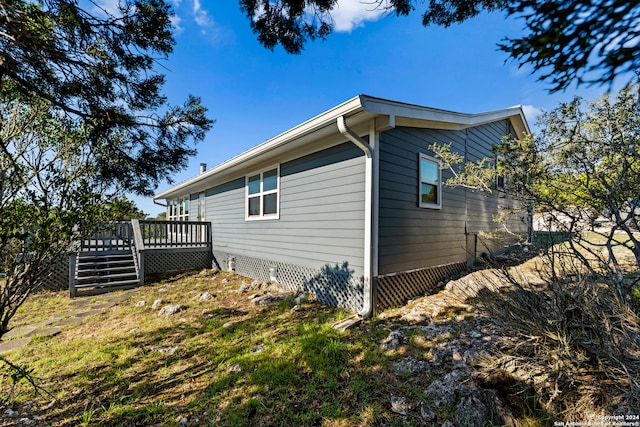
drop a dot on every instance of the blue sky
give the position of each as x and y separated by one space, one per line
255 94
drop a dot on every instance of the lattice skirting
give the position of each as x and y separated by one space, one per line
58 279
396 289
334 285
168 260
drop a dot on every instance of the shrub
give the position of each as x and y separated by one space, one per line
573 350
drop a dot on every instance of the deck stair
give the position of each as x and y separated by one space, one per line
106 261
113 256
103 271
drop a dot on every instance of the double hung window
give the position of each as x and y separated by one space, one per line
262 197
430 183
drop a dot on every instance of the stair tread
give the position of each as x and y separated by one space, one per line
132 274
106 264
107 269
108 284
104 260
116 256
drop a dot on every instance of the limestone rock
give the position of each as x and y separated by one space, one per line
399 405
206 296
443 392
170 310
258 349
410 366
234 368
415 316
426 413
165 350
393 341
471 411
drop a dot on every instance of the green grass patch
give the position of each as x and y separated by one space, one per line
224 361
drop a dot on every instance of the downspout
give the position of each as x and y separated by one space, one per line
163 205
369 296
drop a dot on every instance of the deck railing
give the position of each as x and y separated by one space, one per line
171 234
112 235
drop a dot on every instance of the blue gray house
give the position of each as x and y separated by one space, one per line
350 205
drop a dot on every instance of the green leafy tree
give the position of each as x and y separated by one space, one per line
577 40
50 194
82 120
98 66
122 209
584 163
580 312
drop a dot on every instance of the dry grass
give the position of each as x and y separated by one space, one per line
573 346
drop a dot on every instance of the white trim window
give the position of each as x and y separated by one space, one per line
263 195
179 209
429 183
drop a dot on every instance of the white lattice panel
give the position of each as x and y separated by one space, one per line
58 279
337 286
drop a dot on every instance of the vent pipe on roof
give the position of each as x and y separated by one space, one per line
203 167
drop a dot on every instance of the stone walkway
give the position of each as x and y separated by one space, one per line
81 308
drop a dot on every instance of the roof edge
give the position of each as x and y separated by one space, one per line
348 107
402 109
357 104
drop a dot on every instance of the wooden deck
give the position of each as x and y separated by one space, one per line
114 256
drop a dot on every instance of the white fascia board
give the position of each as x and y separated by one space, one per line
298 133
358 111
448 119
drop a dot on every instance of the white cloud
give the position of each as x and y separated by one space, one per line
111 7
532 113
175 23
201 16
351 14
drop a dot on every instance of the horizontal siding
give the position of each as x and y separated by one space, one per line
321 213
481 211
480 139
411 237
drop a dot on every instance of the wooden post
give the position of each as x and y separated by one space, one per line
139 245
72 275
141 266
